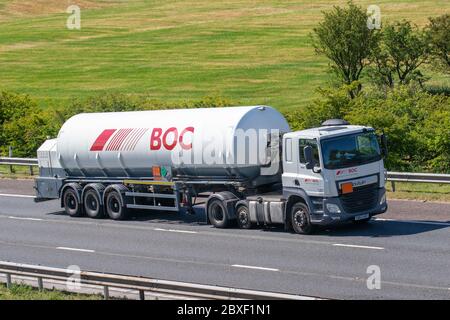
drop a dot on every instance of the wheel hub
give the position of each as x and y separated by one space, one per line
115 205
300 218
72 202
217 212
92 203
243 217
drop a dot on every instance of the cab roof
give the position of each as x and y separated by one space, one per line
327 131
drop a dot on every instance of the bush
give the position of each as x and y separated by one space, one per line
23 125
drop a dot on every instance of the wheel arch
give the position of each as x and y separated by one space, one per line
97 187
294 196
228 198
76 187
119 188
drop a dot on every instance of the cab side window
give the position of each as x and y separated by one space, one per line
308 142
288 150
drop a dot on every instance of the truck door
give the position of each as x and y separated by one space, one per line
290 162
309 180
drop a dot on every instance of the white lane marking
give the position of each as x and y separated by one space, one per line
74 249
23 218
356 246
16 195
416 221
254 267
173 230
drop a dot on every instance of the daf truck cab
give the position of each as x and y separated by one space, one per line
333 174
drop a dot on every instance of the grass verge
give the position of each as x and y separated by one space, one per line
419 191
19 172
25 292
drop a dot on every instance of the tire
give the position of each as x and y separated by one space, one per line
300 219
92 204
217 214
115 207
71 204
243 217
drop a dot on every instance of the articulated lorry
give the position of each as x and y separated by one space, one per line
246 163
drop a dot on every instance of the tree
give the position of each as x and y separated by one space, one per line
344 38
402 49
439 35
12 107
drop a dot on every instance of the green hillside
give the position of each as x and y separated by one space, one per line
249 51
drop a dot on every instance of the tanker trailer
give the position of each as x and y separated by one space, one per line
104 164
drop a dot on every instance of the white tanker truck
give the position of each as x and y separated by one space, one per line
245 160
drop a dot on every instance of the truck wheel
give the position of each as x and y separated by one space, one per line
92 205
71 204
301 221
114 206
217 213
243 217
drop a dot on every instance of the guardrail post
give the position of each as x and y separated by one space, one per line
105 292
40 284
31 170
393 186
8 280
141 295
10 152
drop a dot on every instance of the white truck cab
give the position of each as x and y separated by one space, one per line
336 170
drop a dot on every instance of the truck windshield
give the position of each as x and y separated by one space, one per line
350 150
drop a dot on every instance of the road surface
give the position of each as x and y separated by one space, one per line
410 245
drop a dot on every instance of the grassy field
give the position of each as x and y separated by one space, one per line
24 292
253 52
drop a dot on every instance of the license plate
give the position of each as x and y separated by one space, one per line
362 216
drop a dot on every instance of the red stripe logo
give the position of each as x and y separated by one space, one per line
101 140
118 139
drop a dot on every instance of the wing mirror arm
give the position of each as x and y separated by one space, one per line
308 154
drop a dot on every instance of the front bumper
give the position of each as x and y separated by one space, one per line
325 218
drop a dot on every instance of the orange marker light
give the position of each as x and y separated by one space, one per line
347 187
156 172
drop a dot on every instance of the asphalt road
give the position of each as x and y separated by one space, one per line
413 256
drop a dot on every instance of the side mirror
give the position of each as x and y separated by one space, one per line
384 148
308 153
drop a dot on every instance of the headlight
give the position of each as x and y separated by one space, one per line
333 208
383 199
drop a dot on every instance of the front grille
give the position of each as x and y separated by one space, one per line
361 199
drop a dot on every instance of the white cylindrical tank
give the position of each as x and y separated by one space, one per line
191 142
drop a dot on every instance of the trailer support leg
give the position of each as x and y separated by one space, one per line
188 198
